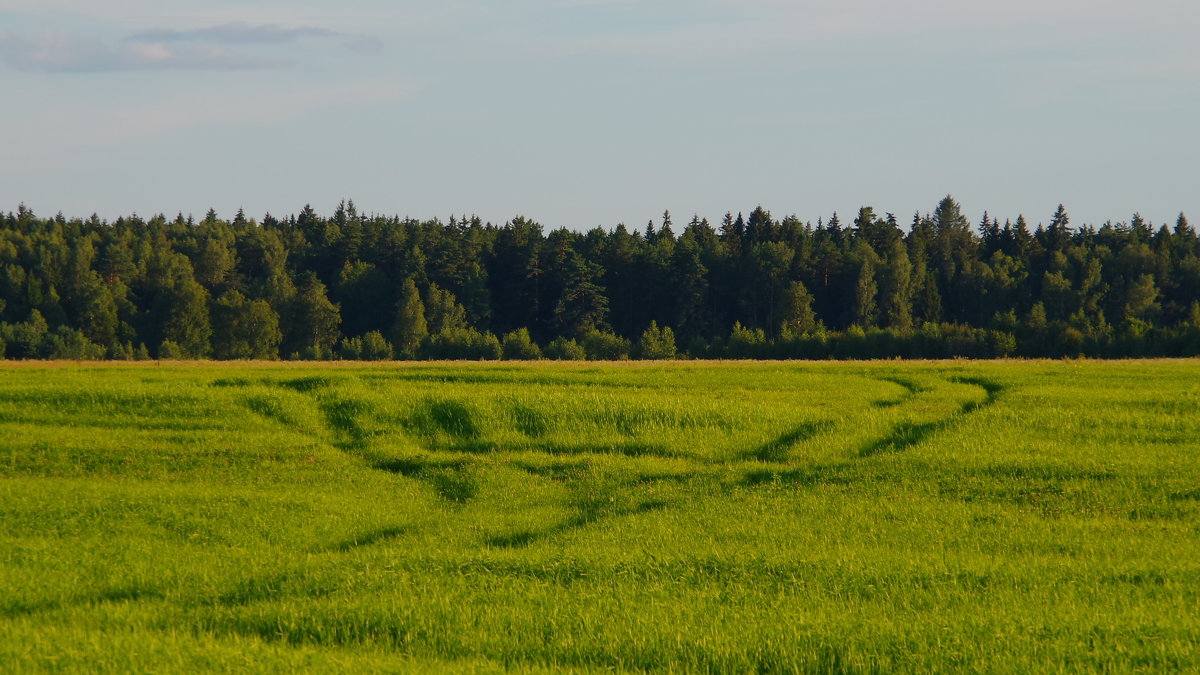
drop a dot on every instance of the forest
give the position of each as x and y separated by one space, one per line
362 286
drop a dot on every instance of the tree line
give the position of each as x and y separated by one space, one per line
373 287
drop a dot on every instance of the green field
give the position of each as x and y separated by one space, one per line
719 517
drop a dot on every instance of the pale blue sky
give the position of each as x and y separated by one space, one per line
594 112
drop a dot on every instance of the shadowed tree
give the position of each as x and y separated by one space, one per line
930 301
244 329
866 291
410 327
314 320
896 294
582 307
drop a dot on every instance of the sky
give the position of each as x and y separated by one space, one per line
584 113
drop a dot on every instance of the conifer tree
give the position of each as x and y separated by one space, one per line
582 307
689 278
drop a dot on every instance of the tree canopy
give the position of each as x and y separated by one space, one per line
354 285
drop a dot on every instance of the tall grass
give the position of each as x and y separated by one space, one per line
685 517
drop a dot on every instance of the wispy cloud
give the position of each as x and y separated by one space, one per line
235 33
63 52
230 46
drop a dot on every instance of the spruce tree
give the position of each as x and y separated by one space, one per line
583 306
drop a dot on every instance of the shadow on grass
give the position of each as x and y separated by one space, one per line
777 449
911 388
905 435
450 417
341 416
368 539
271 587
908 434
624 449
841 473
449 478
589 513
14 609
307 385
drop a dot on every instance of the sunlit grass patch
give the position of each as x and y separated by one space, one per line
716 517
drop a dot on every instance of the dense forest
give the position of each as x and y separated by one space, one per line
355 286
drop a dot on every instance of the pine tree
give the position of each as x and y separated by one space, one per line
1059 234
582 307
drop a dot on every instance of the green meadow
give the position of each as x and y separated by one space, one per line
687 517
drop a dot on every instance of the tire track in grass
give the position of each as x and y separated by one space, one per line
368 539
905 435
589 512
451 480
778 448
119 595
346 433
911 389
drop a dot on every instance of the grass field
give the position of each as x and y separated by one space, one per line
767 517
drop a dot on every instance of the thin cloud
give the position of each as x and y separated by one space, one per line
229 46
241 33
235 33
63 52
